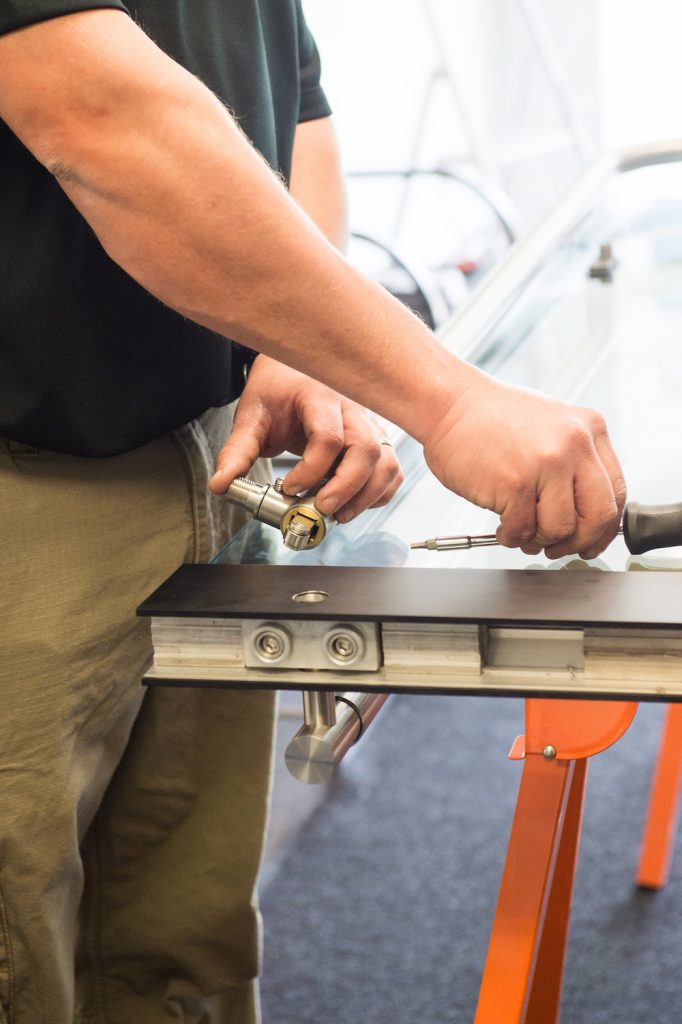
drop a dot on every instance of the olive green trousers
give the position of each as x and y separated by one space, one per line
131 822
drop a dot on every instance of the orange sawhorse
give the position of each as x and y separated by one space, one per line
524 967
659 829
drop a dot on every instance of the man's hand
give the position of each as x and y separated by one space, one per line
283 410
547 468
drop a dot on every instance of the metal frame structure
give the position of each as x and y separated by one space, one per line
627 631
476 631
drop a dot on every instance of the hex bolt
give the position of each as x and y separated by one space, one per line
549 752
344 646
269 645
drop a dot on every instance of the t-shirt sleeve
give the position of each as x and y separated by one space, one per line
16 14
314 103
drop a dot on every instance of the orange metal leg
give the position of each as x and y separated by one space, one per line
524 967
543 1005
659 830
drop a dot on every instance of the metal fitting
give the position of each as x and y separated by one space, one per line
605 264
301 524
329 733
311 644
549 752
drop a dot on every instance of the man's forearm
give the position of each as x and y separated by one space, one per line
181 200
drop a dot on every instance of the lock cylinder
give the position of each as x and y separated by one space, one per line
295 516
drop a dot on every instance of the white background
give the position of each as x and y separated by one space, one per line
622 60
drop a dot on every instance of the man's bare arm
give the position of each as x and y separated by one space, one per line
180 200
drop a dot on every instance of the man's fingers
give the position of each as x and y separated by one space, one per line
601 524
576 509
599 493
518 520
393 487
609 459
558 517
381 485
598 514
517 523
352 473
323 425
368 471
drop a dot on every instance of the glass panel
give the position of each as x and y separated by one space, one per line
613 345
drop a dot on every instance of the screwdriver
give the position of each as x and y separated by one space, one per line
645 527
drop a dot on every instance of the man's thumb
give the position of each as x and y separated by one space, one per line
236 459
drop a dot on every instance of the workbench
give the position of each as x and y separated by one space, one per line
582 642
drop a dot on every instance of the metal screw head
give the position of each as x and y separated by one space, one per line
344 646
270 646
279 485
549 752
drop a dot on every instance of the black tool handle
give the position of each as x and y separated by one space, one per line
646 527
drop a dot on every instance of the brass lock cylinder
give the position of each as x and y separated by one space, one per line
300 523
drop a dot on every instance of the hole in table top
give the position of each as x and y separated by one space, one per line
310 596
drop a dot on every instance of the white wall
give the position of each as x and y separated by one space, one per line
640 84
378 56
622 60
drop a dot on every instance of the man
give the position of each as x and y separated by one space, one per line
140 228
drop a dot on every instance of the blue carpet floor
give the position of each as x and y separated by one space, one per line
380 911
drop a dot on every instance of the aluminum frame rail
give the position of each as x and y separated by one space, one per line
528 633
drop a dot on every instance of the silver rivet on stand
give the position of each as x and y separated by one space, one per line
549 752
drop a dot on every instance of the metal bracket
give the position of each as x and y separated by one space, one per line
300 644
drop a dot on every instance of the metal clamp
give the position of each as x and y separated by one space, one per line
311 645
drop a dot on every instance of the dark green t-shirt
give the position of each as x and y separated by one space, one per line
90 363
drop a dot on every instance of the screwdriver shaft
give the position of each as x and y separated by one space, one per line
456 543
461 543
644 528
